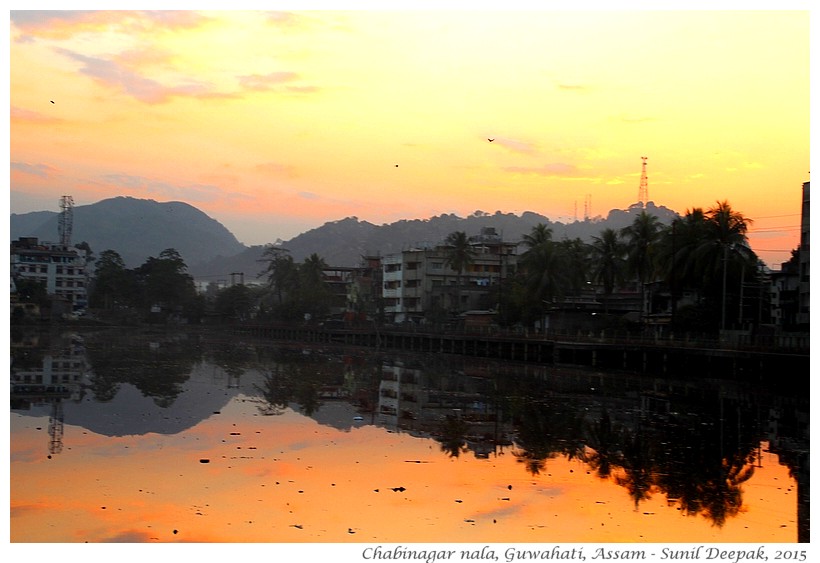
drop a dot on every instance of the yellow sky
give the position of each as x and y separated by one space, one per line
276 122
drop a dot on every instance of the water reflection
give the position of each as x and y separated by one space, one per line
692 445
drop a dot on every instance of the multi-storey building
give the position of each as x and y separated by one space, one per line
420 281
61 269
803 291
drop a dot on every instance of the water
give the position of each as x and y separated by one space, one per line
174 437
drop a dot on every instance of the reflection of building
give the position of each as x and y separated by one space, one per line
61 269
59 377
65 370
410 401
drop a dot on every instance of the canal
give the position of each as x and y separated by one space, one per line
159 437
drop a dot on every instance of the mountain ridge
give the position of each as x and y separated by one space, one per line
139 228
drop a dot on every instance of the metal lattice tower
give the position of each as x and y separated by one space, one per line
66 221
643 190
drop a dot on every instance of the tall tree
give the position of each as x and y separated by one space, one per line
314 293
608 264
166 281
280 270
460 255
640 237
724 252
113 284
544 267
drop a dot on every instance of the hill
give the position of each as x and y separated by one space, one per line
344 242
139 228
136 229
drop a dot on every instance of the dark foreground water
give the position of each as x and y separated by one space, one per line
171 437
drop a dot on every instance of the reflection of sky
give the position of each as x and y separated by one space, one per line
289 478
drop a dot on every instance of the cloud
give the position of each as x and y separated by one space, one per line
61 24
119 77
308 195
554 169
266 81
39 170
515 145
21 114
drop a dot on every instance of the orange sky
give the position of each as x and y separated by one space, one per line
276 122
289 479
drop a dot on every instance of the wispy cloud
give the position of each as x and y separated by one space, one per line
39 170
60 24
266 81
515 145
119 77
21 114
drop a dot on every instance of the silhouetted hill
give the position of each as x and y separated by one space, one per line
136 229
346 241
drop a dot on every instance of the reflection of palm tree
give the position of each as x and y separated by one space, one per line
453 436
723 497
544 431
275 393
605 444
637 467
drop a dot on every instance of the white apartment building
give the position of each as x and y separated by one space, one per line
60 268
419 280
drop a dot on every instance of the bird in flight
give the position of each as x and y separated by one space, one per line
52 101
491 140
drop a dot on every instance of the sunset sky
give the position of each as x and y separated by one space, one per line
274 123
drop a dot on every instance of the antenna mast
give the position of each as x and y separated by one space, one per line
643 190
66 220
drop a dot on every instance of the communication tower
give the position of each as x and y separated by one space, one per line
643 190
587 207
66 220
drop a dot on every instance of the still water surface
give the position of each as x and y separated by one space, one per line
172 437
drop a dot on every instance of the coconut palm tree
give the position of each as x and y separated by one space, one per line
723 250
539 234
460 255
608 265
640 237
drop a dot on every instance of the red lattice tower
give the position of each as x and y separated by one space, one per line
643 190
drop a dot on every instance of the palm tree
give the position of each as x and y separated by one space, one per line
280 269
539 234
641 236
608 264
460 255
543 266
724 246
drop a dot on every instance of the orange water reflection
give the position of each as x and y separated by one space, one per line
288 478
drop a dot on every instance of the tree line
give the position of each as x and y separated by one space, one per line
704 253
